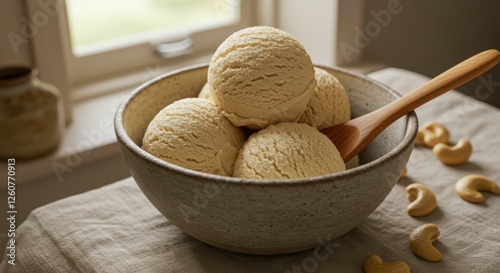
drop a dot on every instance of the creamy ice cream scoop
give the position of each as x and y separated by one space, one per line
329 104
261 76
287 150
193 133
205 92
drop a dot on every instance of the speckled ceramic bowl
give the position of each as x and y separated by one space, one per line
263 216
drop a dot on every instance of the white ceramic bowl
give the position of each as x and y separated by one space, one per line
263 216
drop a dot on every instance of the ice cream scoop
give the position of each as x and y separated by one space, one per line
287 150
205 92
192 133
261 76
353 136
329 104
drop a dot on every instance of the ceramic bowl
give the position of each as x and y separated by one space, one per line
263 217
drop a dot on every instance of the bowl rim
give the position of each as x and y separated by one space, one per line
126 141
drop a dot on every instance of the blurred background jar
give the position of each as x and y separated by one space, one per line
31 116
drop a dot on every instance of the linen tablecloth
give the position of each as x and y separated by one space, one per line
116 229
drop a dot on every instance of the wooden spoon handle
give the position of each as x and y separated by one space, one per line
450 79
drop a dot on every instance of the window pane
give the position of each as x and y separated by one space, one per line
95 21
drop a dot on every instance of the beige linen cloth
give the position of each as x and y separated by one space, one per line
116 229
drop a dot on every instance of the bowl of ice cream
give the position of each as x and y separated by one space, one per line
279 190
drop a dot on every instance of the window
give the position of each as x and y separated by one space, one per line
136 18
134 45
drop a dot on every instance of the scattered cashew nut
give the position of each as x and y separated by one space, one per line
453 155
468 187
434 133
373 264
422 198
421 240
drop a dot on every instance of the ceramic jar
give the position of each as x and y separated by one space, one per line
31 115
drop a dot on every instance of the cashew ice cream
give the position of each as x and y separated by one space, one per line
261 76
262 79
329 104
287 150
205 92
192 133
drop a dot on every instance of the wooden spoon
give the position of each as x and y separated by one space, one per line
353 136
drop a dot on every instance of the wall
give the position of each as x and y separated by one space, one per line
313 25
13 51
430 36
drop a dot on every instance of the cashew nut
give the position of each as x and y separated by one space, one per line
421 240
373 264
468 187
420 137
422 198
434 133
453 155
